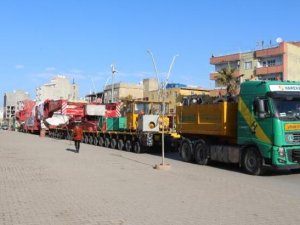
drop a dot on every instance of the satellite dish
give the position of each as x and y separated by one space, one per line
279 40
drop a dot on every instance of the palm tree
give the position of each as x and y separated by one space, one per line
226 78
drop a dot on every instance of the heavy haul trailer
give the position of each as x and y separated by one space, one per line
132 125
260 130
23 115
27 117
60 115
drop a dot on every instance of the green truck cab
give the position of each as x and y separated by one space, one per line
269 120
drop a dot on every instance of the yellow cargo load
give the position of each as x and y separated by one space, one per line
218 119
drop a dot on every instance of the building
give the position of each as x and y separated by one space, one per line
58 88
280 62
149 85
175 94
121 91
11 104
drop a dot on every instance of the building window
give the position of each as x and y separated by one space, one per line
271 62
248 65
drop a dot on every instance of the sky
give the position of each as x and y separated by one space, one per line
81 39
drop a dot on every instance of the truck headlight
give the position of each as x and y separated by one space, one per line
281 152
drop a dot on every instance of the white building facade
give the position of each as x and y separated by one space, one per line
58 88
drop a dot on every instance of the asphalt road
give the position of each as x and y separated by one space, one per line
42 181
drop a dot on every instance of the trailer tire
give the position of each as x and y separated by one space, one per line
120 144
91 140
137 147
201 153
86 139
101 141
253 162
95 140
69 136
128 145
107 142
113 143
186 150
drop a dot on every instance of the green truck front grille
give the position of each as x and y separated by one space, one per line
294 155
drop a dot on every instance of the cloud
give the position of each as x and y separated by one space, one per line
19 66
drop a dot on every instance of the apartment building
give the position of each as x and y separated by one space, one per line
58 88
149 85
280 62
11 102
121 91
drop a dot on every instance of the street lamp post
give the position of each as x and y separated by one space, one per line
163 97
164 109
156 71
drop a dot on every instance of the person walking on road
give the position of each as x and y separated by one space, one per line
77 136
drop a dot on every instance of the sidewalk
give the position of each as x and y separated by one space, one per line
42 182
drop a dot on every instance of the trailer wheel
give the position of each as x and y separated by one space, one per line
128 145
137 147
201 153
252 161
95 140
113 143
86 139
120 144
101 141
186 149
107 142
69 136
91 140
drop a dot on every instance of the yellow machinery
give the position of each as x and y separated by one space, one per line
133 109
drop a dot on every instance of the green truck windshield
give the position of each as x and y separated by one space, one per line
287 107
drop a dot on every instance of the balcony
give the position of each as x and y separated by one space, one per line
226 58
269 70
270 51
212 76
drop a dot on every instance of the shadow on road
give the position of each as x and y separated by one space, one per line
71 150
270 172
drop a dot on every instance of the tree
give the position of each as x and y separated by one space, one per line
226 78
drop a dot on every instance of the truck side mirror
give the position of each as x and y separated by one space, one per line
260 107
